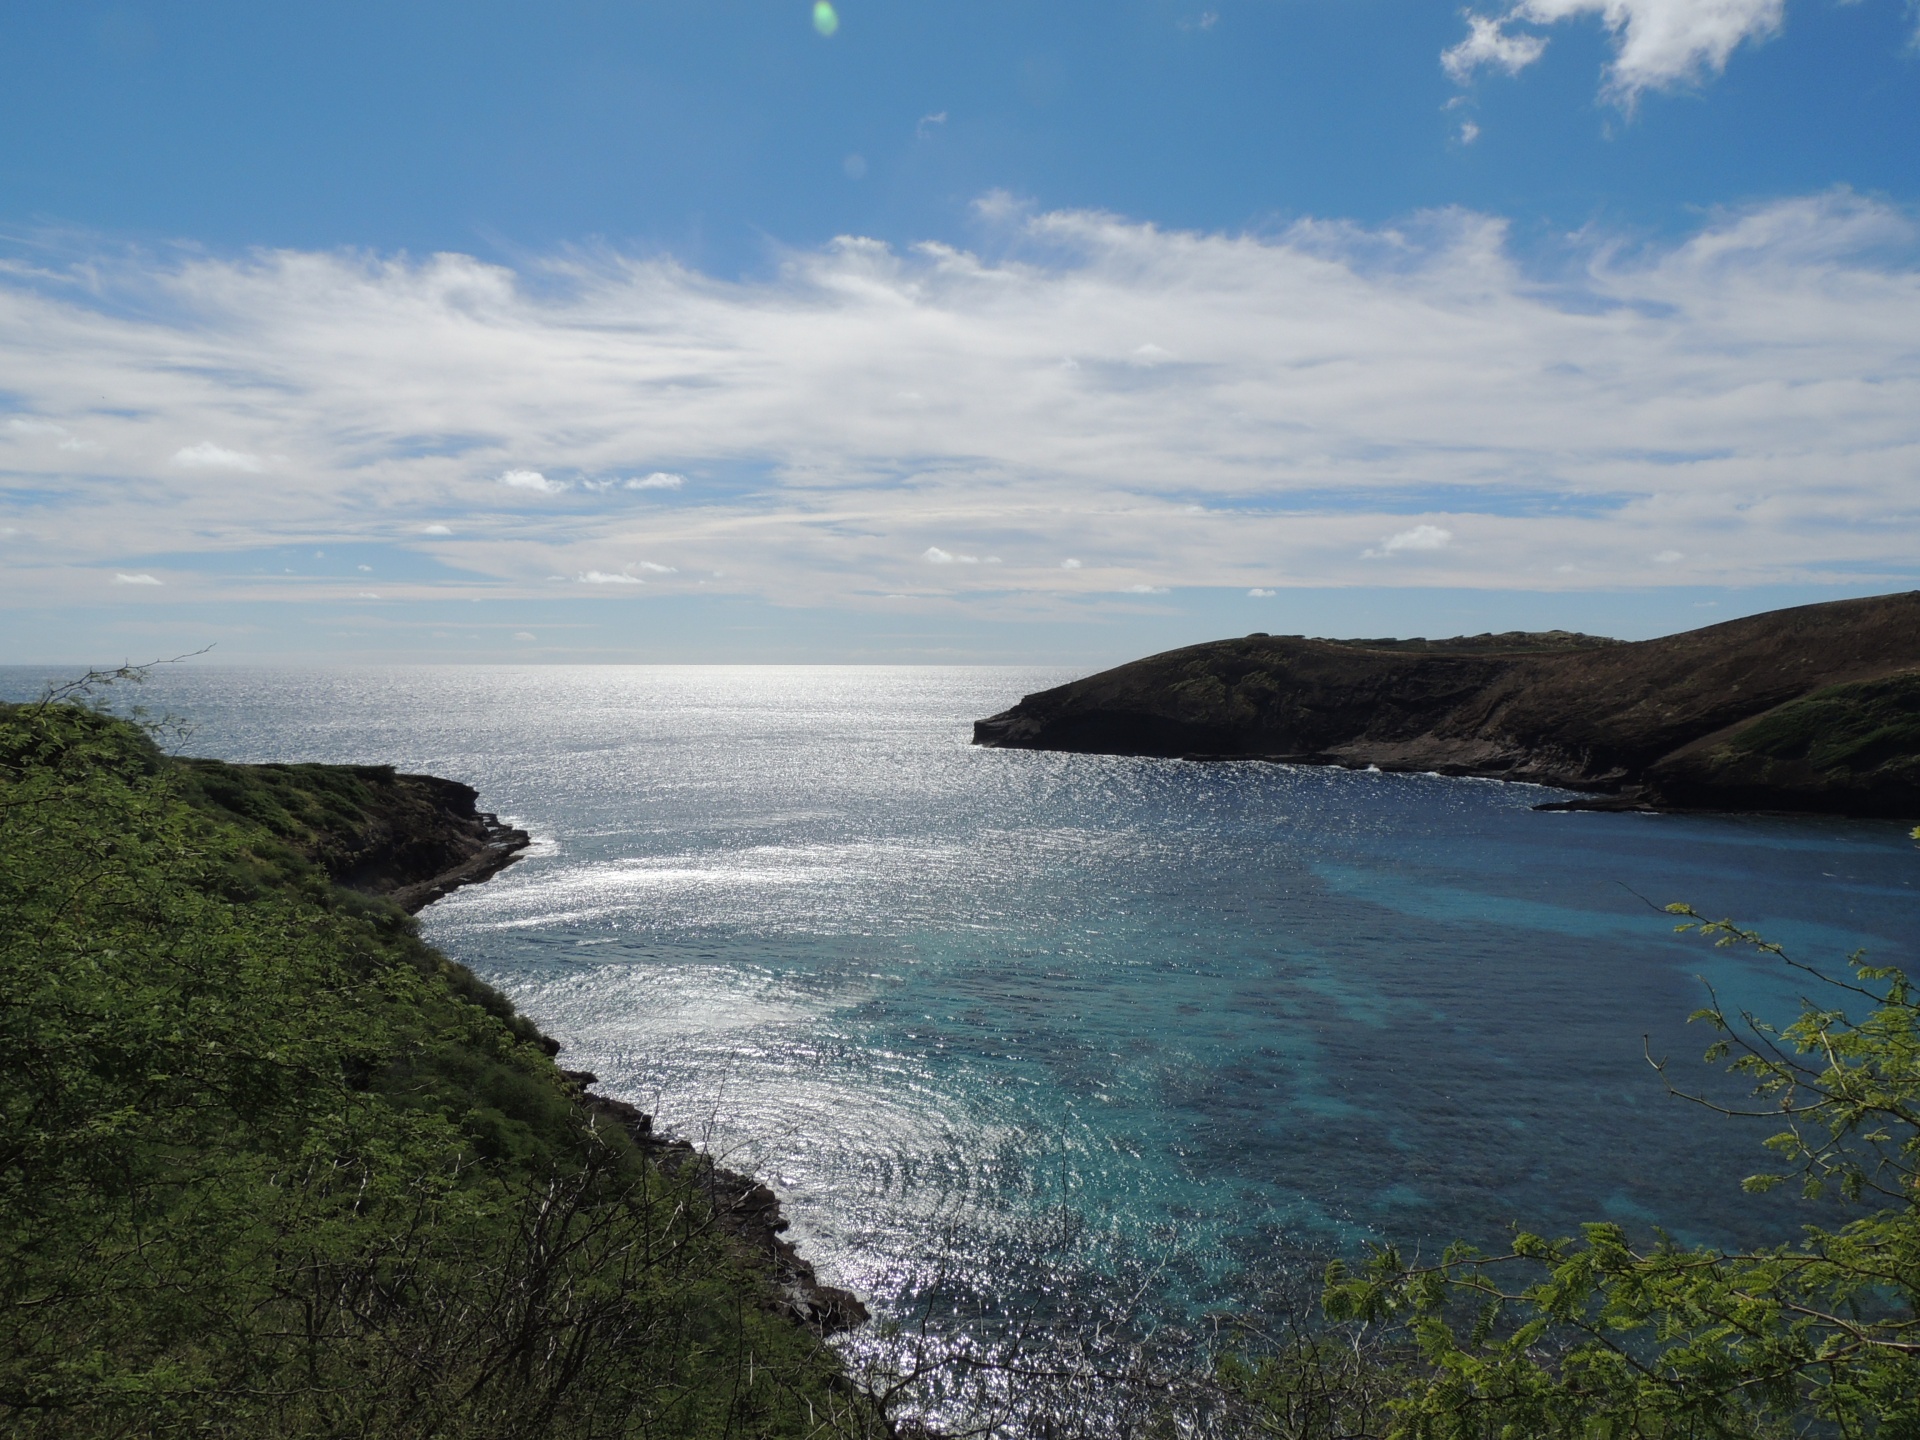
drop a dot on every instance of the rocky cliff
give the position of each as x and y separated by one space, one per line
411 838
1815 708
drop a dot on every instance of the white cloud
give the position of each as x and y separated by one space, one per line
1420 537
1258 594
654 569
658 480
1657 44
142 578
368 595
1489 46
1469 132
1069 564
929 123
935 555
1754 384
1668 557
1146 590
364 569
532 480
37 428
209 456
602 577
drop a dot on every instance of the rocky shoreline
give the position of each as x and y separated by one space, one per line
414 839
500 845
743 1207
480 845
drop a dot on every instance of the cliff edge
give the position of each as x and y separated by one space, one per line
1815 708
410 838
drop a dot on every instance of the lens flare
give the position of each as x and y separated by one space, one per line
825 19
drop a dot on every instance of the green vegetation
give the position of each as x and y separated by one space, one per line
271 1165
329 813
1598 1337
1852 728
1854 747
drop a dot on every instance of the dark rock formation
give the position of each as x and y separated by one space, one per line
1816 708
411 838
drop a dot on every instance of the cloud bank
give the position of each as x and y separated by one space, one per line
1326 405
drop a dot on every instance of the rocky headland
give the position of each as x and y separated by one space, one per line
1812 709
412 839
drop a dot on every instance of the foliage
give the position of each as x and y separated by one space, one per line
271 1165
1854 727
1299 1380
1599 1337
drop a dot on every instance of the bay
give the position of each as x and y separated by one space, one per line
1109 1035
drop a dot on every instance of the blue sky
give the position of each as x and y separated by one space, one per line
1056 332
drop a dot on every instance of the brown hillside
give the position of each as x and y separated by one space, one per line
1669 721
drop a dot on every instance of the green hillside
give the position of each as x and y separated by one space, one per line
271 1165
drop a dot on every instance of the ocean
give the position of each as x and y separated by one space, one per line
1016 1033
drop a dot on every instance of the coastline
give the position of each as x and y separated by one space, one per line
1813 710
499 849
280 1166
743 1206
484 845
1629 801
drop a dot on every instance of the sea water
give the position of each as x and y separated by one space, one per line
1011 1029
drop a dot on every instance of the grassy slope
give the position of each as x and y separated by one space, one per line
367 827
1860 741
269 1164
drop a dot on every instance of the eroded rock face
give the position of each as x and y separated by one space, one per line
1674 722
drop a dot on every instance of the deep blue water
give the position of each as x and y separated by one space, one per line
996 1022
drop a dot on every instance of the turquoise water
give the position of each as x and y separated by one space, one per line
1012 1029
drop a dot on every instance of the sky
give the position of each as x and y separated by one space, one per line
753 331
